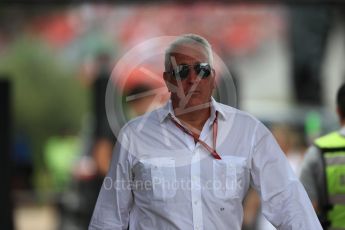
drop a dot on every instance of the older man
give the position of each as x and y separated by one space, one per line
189 164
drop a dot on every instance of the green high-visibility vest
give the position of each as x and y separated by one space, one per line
332 147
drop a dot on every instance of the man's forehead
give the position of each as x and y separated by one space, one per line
197 57
189 52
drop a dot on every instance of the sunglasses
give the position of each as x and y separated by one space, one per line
203 70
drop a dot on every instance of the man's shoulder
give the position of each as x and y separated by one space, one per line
238 113
312 154
330 140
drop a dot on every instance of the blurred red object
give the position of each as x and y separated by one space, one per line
57 28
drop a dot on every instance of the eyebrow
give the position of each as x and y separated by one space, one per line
194 63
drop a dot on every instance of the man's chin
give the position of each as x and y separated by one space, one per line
192 106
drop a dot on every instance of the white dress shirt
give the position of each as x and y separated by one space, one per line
160 179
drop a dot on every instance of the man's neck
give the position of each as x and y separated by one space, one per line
342 123
194 120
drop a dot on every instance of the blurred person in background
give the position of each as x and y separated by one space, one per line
92 166
91 169
323 172
104 139
174 143
97 143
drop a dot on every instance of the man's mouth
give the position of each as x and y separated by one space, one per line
194 92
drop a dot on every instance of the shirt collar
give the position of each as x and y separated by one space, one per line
167 108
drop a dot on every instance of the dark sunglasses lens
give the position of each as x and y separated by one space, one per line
181 72
203 70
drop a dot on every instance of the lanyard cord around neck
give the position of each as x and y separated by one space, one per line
196 138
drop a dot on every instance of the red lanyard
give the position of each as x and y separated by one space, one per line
196 138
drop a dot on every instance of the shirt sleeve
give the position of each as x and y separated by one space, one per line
115 198
284 201
311 163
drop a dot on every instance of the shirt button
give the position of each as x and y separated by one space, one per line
196 202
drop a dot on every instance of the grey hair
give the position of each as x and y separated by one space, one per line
187 39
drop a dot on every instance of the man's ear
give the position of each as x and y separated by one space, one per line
214 79
166 78
340 115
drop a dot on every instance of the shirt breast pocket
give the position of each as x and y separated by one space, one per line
163 177
228 176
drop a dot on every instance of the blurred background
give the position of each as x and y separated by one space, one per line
287 61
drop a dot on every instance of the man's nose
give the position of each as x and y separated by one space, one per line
192 76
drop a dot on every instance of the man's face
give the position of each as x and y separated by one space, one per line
192 91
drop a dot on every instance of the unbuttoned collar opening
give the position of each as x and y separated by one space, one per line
215 106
